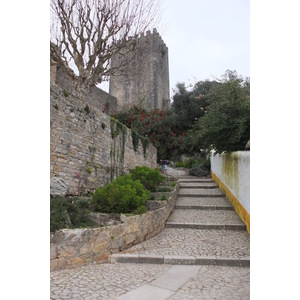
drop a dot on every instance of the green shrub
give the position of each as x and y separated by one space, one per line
185 164
173 184
69 213
199 170
82 203
192 162
150 178
58 214
123 195
163 189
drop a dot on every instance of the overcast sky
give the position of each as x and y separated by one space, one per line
205 38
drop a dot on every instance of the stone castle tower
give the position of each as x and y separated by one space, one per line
145 78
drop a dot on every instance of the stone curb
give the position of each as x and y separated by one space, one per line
205 207
180 180
237 227
179 260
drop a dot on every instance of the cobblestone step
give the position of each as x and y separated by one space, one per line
241 227
187 246
197 183
194 179
205 203
189 242
200 192
202 230
204 207
217 217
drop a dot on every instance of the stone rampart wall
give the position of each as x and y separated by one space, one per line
88 149
75 247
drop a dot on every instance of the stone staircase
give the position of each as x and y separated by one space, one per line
202 230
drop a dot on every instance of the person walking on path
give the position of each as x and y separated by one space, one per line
165 166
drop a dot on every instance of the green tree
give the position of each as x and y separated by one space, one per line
189 106
226 125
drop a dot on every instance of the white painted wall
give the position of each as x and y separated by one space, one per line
233 169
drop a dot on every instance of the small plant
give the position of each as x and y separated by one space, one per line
87 109
55 106
142 209
66 94
163 197
103 126
173 184
89 169
152 197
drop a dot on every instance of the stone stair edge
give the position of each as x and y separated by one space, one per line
204 207
206 226
179 260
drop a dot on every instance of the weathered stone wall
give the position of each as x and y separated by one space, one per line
83 153
74 247
145 78
96 97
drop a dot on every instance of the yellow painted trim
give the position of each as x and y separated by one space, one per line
238 207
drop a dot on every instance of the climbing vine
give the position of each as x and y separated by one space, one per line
117 154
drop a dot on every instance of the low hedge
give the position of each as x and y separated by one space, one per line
123 195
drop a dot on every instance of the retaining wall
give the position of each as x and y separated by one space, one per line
231 171
75 247
88 149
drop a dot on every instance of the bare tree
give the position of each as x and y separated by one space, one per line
85 34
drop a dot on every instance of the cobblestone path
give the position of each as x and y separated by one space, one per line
203 253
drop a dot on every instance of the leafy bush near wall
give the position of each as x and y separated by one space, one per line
123 195
69 213
199 167
198 170
205 163
185 164
150 178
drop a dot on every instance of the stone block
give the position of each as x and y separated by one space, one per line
99 247
77 261
66 251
